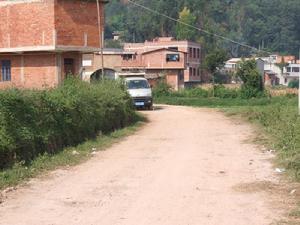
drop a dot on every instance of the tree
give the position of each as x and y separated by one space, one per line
214 61
184 32
252 79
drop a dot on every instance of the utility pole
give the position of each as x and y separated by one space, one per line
101 37
299 89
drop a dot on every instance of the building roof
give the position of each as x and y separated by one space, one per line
162 49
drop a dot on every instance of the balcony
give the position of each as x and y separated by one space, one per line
132 61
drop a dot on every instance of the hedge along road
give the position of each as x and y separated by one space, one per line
186 167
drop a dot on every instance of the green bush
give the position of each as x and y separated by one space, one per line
161 89
294 84
37 122
221 91
252 80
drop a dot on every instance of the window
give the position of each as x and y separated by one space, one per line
295 69
129 57
191 53
5 70
173 48
288 69
198 72
137 84
198 53
194 71
191 71
172 58
194 53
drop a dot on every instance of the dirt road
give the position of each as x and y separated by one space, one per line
186 167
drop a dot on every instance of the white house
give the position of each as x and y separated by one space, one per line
291 72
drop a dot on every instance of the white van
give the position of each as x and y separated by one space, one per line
140 91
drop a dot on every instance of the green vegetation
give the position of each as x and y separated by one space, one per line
182 31
70 156
263 24
34 123
294 84
252 80
281 123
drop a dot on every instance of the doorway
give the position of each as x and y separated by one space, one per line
69 69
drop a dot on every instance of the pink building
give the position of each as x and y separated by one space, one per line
192 72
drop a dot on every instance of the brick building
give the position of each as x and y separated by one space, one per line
42 41
155 64
192 72
178 61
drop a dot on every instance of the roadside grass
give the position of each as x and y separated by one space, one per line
212 102
69 156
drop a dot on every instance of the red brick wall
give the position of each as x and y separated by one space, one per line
157 59
15 71
31 71
34 23
40 71
26 24
74 19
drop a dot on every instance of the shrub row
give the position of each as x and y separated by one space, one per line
282 121
219 91
37 122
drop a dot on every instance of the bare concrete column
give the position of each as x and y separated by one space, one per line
58 68
22 77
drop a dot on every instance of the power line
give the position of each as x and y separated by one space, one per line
197 28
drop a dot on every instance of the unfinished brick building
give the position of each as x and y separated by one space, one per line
42 41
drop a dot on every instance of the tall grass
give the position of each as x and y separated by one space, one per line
281 122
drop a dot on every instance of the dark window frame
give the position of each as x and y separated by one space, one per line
173 57
198 53
5 70
191 52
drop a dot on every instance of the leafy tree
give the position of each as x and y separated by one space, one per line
184 32
262 24
214 61
252 79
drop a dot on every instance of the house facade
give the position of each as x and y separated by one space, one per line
192 72
42 41
270 66
153 65
291 72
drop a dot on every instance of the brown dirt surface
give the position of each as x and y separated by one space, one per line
187 166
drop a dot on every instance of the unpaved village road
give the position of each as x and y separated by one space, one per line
186 167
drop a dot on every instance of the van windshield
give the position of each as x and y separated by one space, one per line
137 84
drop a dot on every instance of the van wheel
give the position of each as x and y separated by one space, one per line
150 107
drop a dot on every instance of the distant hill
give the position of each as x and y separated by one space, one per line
273 25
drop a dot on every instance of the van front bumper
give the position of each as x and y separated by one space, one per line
142 101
